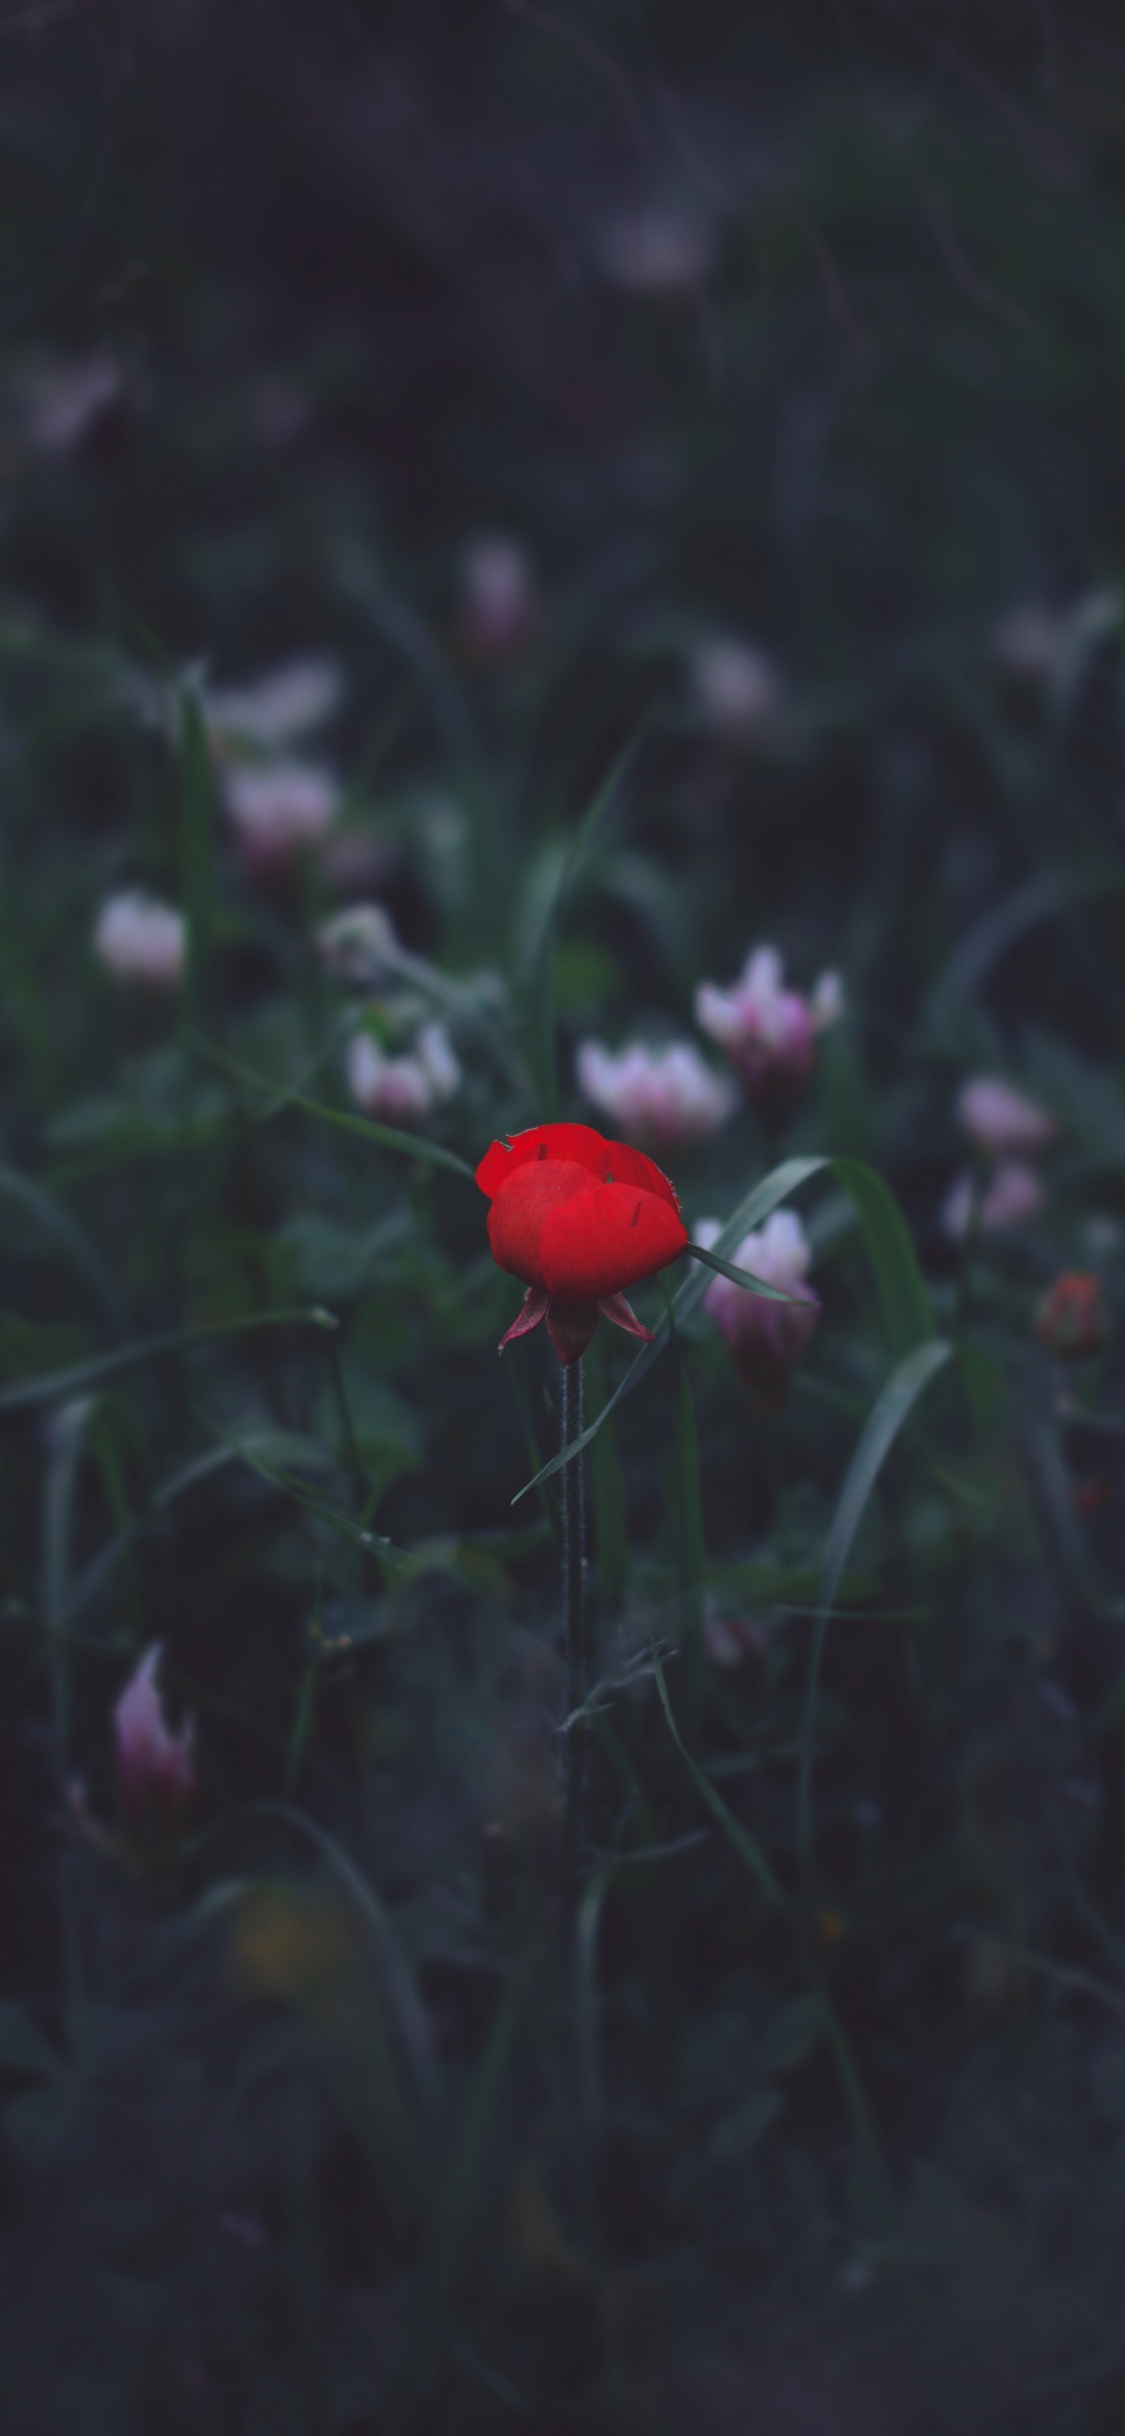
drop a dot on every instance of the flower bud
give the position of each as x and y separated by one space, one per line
766 1339
736 688
1071 1320
139 939
278 807
155 1767
1001 1119
1013 1196
499 601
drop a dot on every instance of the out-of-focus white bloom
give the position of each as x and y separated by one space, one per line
156 1767
359 945
63 397
139 939
408 1086
766 1339
655 249
1025 641
1013 1195
278 807
736 688
768 1032
279 708
499 599
664 1096
1002 1119
730 1640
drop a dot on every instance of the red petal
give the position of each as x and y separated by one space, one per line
593 1244
570 1327
578 1144
533 1308
527 1199
614 1307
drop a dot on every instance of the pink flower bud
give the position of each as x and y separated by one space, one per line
656 249
736 688
1001 1119
662 1098
1013 1196
155 1767
766 1339
499 601
139 939
278 807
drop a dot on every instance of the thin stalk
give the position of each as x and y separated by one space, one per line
579 1655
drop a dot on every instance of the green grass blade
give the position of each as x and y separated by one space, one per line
884 1423
58 1224
692 1548
746 1846
573 860
51 1385
197 853
738 1277
389 1137
907 1309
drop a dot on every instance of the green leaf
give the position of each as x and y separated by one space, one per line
570 862
886 1419
197 851
902 1290
907 1310
54 1384
389 1137
57 1223
23 2047
738 1277
748 1849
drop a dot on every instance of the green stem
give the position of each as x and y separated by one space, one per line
578 1651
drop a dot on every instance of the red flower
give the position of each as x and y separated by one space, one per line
578 1219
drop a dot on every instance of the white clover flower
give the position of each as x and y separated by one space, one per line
665 1096
279 708
1001 1119
407 1086
140 939
736 688
768 1031
279 807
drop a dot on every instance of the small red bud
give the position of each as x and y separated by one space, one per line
1071 1320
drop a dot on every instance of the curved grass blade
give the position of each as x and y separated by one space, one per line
907 1309
70 1238
197 851
886 1419
901 1287
389 1137
405 2010
540 965
738 1277
51 1385
745 1845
